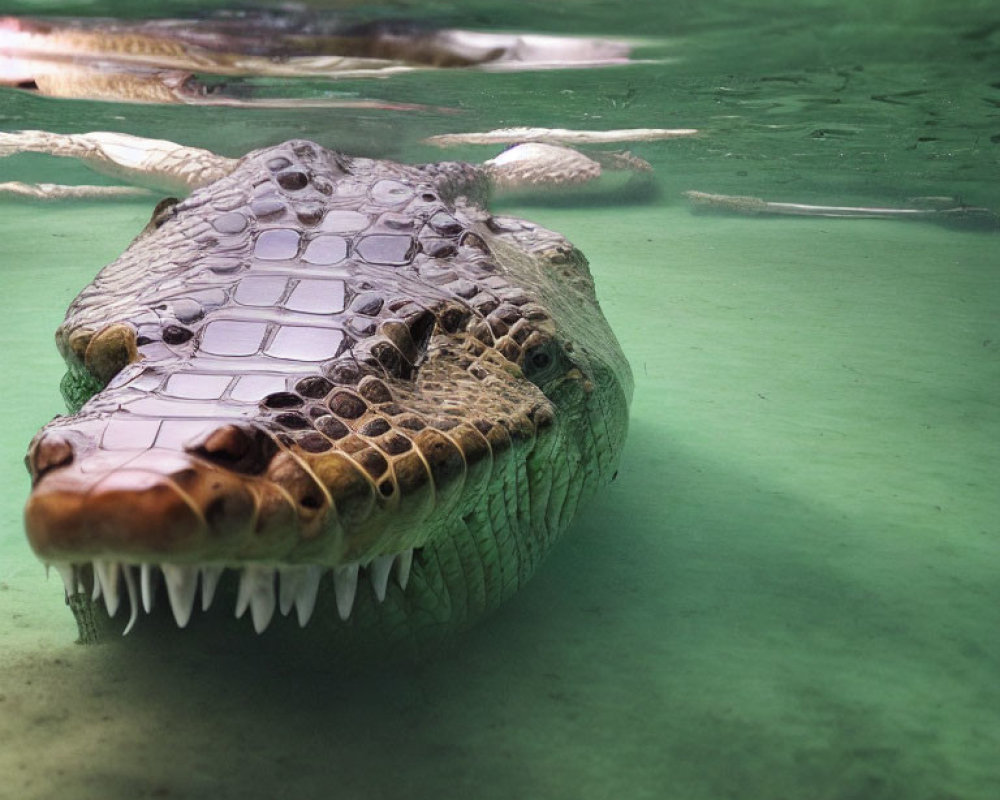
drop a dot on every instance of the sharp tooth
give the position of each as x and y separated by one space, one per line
403 570
378 573
68 574
147 583
262 608
256 591
133 597
182 584
345 582
305 600
96 594
209 581
243 593
291 585
107 577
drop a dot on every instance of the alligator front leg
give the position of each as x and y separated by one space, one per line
547 158
152 163
60 191
165 166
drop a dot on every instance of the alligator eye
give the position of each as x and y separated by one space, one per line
540 359
543 362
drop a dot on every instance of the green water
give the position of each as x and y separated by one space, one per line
790 593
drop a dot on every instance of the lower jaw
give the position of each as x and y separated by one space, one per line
263 589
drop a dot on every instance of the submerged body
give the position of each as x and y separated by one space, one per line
319 365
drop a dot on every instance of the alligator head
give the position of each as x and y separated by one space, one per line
321 365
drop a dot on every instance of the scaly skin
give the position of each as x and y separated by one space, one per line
322 361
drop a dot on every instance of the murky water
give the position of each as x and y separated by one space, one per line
792 589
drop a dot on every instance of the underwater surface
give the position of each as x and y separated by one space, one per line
792 591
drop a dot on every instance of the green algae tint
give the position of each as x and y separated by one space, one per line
789 591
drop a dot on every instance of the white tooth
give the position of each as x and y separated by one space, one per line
345 582
182 585
378 573
68 574
96 594
403 571
256 591
133 597
262 608
243 593
209 581
291 585
107 577
147 584
305 600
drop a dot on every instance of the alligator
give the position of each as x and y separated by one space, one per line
164 61
336 385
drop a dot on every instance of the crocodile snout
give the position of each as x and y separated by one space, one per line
137 504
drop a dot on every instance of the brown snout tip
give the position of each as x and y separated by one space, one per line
127 511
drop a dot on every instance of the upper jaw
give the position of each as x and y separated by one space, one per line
116 524
160 504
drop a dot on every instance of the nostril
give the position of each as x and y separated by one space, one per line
311 502
52 451
238 448
229 443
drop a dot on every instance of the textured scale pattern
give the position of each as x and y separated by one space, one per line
324 360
